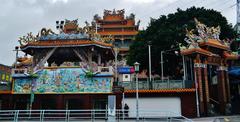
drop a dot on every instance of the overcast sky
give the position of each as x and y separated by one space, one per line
18 17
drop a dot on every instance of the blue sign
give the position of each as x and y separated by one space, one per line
125 70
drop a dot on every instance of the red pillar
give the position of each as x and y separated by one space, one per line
198 78
228 95
221 89
206 86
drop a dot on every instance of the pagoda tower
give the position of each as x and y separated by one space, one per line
122 29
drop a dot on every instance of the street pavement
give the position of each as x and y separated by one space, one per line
235 118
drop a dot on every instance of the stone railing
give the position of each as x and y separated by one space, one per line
158 84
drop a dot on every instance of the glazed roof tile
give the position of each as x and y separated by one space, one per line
61 43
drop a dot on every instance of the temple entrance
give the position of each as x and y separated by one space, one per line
213 89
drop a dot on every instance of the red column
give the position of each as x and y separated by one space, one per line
221 89
206 86
227 84
198 78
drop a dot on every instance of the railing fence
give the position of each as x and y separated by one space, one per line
85 115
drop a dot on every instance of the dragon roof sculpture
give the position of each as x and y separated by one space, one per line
71 31
204 34
201 37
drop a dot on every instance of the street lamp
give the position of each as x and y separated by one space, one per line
136 68
150 62
162 65
116 61
16 49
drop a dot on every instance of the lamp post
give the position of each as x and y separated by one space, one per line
136 67
16 49
162 65
116 62
150 62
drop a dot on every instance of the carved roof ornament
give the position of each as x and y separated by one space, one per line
71 21
192 39
45 32
113 12
121 12
86 32
109 39
131 16
96 17
207 32
107 12
26 39
203 34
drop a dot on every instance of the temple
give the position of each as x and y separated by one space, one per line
122 29
77 68
69 70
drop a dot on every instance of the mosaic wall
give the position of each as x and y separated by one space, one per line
68 80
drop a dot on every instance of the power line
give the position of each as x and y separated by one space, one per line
164 7
227 8
220 3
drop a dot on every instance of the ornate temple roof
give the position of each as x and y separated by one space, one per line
206 39
196 50
230 56
116 19
69 43
70 36
215 43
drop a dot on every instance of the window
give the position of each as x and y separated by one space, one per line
3 76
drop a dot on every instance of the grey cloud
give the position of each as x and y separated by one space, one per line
18 17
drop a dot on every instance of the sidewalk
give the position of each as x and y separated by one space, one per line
235 118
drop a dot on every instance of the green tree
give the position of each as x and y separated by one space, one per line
167 31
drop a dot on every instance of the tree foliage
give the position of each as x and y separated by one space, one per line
166 31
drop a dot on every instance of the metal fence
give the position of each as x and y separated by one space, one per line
86 116
158 84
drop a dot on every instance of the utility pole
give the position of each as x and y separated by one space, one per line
238 15
238 26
